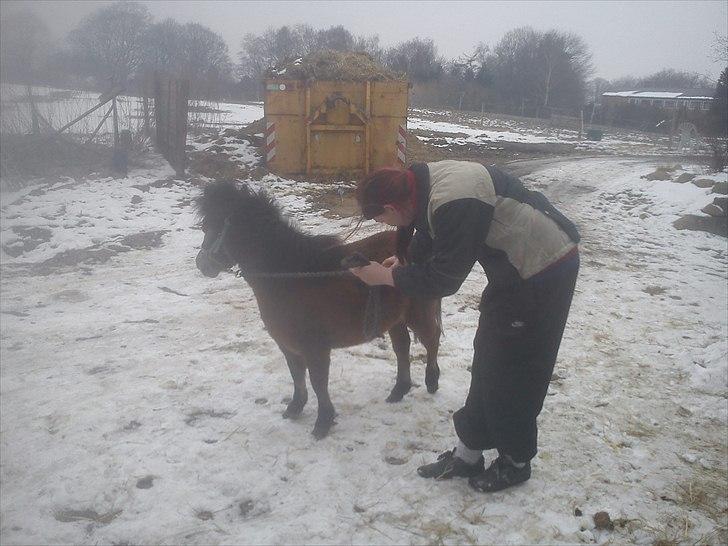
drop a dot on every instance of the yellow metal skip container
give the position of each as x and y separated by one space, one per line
329 127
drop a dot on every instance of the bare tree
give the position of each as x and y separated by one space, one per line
418 58
276 45
537 71
514 63
370 46
669 78
270 48
164 45
336 38
565 64
720 48
24 45
113 37
205 56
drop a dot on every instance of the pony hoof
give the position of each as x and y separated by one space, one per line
292 413
398 393
321 431
432 380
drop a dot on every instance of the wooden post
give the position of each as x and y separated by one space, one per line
157 110
145 109
146 88
35 127
581 128
182 109
116 122
172 123
367 132
308 128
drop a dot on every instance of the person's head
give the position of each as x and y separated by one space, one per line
387 196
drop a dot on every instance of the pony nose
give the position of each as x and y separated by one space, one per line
205 266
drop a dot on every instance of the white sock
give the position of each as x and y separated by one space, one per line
466 454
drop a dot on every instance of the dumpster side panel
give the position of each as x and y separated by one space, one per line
389 99
285 97
289 143
284 107
384 142
389 114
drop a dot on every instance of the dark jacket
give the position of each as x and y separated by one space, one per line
466 213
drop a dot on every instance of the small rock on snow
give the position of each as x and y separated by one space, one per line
603 521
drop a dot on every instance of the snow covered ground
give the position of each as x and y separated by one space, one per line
141 402
492 130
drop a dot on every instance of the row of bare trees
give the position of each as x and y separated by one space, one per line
115 45
527 72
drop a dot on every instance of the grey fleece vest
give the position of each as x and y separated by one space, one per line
531 240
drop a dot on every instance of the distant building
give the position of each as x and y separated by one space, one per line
690 99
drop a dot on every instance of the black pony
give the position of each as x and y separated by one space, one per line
307 316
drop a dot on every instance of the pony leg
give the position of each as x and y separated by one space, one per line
401 343
425 321
318 372
297 367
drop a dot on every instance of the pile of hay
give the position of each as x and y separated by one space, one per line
333 66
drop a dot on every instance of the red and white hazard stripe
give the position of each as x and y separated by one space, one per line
402 144
270 140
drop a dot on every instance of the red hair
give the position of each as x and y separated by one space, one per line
389 186
386 186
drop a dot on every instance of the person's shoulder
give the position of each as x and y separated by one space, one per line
454 170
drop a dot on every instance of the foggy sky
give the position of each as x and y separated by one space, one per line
625 37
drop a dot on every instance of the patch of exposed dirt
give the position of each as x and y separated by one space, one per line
194 416
93 255
50 158
30 239
146 240
717 225
70 516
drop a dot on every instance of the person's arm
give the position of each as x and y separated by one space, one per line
460 229
420 249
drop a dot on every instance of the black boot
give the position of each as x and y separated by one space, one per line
449 465
500 475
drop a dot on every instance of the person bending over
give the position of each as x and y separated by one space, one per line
450 214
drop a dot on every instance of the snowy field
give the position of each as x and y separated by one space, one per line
141 402
491 130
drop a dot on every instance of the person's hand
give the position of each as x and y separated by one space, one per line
392 261
374 274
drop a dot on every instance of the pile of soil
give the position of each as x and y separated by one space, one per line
333 66
419 151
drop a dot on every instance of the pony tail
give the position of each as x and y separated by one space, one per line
404 238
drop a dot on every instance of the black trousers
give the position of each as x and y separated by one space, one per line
516 344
